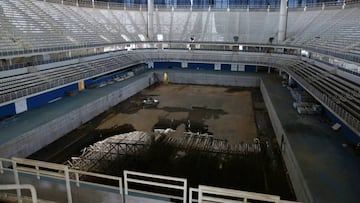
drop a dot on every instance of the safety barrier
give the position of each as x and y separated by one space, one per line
341 113
32 189
159 181
39 170
58 173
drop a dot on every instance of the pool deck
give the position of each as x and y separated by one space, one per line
21 123
331 171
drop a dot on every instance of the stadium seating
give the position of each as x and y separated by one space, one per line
37 24
341 95
337 29
18 86
33 25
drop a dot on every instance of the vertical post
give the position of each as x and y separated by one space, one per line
1 167
290 80
121 191
67 182
125 183
282 21
77 179
185 192
37 172
150 22
190 195
17 181
200 195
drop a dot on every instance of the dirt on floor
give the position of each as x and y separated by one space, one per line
216 110
235 114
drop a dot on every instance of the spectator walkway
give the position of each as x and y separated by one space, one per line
330 168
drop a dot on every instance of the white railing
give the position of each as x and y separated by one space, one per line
32 189
215 194
177 184
193 191
330 103
253 6
41 170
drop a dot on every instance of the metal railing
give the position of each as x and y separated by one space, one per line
153 54
158 181
39 170
215 194
44 170
16 187
250 6
177 44
59 82
341 113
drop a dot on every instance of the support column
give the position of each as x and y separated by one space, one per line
282 21
290 80
150 22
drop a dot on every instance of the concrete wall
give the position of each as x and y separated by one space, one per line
298 182
35 139
192 77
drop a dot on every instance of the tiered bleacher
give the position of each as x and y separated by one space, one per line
34 24
336 30
340 95
18 86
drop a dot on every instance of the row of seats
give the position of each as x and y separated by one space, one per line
17 86
337 30
33 24
345 94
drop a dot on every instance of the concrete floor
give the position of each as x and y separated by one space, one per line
228 113
225 114
332 171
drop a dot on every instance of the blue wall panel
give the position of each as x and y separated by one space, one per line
344 130
201 66
7 110
167 65
225 67
88 82
42 99
250 68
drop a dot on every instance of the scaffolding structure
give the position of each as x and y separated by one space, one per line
93 157
207 143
